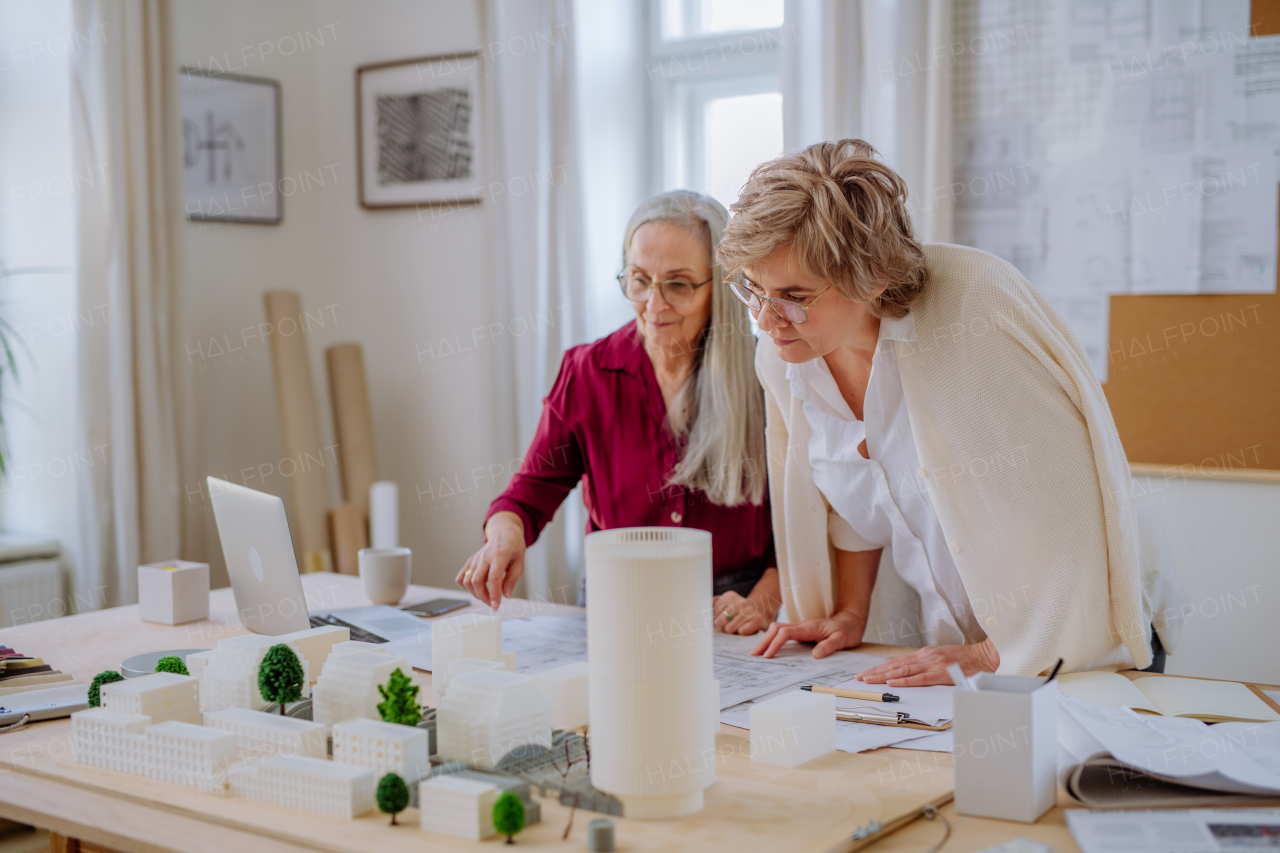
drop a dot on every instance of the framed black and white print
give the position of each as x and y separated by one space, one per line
230 147
418 131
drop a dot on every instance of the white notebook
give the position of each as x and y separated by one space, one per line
1210 701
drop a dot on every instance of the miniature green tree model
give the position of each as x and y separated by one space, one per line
393 796
400 701
171 663
280 677
100 679
508 815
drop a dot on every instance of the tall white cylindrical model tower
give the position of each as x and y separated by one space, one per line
649 631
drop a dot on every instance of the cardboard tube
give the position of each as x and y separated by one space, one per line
300 429
353 418
384 514
347 528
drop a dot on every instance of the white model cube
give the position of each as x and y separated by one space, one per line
261 735
566 690
793 728
488 713
171 751
383 748
470 635
161 696
509 661
348 687
315 645
440 680
463 808
311 784
173 592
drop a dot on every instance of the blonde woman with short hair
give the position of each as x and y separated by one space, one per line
932 420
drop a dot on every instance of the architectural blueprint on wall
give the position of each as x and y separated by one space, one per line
1108 146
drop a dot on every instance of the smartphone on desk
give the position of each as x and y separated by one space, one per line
436 607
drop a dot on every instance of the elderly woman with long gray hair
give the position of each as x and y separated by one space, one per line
661 421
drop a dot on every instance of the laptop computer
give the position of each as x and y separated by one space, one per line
264 574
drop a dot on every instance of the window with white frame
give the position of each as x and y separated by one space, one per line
717 98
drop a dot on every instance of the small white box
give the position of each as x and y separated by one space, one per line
173 592
1006 747
452 805
566 690
793 728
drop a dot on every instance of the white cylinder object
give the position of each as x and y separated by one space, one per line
384 515
650 686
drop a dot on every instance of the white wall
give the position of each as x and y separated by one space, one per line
1226 539
397 282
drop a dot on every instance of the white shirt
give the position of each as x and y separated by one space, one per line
883 501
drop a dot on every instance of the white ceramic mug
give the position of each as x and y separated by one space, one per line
385 573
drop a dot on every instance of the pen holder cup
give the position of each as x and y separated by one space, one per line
1006 747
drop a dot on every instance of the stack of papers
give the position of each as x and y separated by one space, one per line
1197 698
1114 757
1174 831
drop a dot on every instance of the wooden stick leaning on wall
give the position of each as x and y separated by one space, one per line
300 429
357 452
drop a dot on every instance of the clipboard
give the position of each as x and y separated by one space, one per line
865 836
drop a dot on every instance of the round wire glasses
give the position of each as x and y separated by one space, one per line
674 292
792 312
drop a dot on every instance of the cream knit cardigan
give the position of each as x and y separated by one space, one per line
1028 477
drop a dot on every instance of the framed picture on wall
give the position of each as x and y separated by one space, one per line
231 158
418 131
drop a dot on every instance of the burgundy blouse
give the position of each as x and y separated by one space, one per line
605 423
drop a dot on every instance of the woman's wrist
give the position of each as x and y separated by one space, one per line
504 523
767 593
851 618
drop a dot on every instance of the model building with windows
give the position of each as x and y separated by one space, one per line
488 713
348 687
171 751
260 734
301 782
161 696
383 748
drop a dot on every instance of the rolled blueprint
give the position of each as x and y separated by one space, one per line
384 514
650 685
353 420
348 534
300 429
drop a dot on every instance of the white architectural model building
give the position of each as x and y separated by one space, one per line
356 646
470 635
315 645
452 805
161 696
652 683
197 661
301 782
509 661
488 713
348 687
229 678
383 748
793 728
440 680
566 690
260 734
172 751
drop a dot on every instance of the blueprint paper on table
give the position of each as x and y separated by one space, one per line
543 642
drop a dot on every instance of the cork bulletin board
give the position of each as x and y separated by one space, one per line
1195 380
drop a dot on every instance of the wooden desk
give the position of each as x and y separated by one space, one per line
751 806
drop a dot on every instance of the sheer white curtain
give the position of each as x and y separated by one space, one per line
535 247
878 70
125 131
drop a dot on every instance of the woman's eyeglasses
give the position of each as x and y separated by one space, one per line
674 292
792 312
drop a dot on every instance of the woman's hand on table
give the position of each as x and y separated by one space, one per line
734 614
492 572
929 665
843 630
